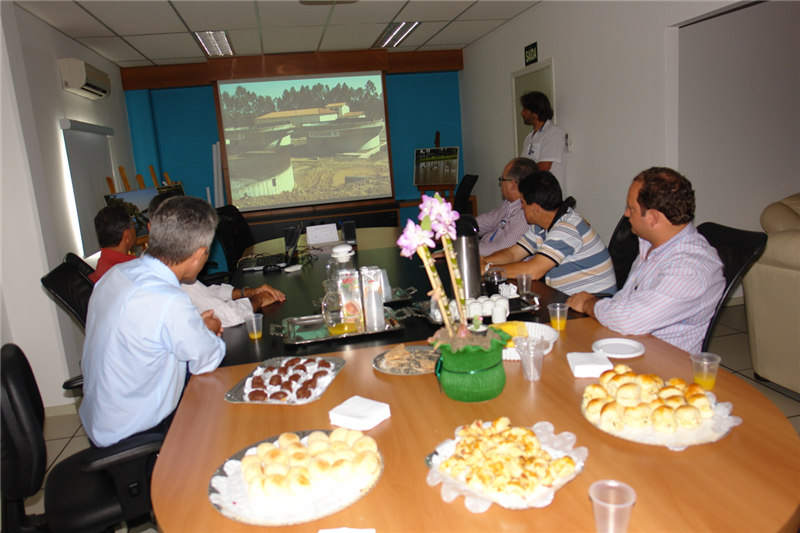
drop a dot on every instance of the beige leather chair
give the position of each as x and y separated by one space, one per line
772 297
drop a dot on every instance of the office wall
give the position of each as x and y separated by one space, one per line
739 118
613 64
37 222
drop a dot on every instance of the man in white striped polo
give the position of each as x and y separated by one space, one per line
676 281
562 247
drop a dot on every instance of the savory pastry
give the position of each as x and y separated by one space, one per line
649 385
366 462
668 391
674 401
594 407
592 392
676 382
638 416
663 419
688 416
693 389
618 380
612 417
606 376
702 403
622 368
628 394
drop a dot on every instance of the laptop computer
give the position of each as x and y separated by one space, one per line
276 262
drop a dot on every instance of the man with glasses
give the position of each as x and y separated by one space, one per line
503 227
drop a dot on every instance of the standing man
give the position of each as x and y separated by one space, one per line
503 227
562 247
547 142
143 332
676 281
116 235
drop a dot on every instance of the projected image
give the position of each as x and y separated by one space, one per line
436 166
305 141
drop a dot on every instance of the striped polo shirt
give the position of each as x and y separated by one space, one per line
581 258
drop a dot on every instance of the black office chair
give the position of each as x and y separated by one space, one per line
71 289
90 491
623 248
738 249
461 199
82 265
234 235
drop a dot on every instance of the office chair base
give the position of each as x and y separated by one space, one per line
761 378
16 521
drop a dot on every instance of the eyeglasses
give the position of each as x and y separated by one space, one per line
501 179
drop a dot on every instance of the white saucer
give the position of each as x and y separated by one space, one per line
619 348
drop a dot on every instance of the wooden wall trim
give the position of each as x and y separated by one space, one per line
232 68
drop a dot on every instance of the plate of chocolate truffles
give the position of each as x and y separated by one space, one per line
287 381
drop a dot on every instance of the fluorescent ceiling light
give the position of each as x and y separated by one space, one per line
394 34
215 43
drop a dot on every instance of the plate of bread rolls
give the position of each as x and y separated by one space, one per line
294 478
647 409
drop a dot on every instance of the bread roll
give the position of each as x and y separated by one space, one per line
638 416
622 369
688 416
674 402
285 439
606 376
339 434
328 456
256 493
299 484
297 471
655 404
676 382
366 463
702 403
348 454
317 447
693 389
263 448
628 394
352 436
612 417
666 392
365 444
299 458
295 447
252 472
338 446
342 470
276 455
648 385
250 459
319 469
594 407
317 436
276 468
593 391
663 419
619 380
276 485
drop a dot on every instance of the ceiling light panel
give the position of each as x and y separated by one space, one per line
424 31
136 18
214 43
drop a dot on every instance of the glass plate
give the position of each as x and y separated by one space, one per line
412 365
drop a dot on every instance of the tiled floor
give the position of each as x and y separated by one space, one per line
65 435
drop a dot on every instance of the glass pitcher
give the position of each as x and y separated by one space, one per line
332 311
341 259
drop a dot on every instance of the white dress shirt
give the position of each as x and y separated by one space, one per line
219 298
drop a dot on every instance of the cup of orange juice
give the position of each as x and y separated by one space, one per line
704 367
254 325
558 316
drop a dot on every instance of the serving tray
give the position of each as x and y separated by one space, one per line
517 305
308 329
238 394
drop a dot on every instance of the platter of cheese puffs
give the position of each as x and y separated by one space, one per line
648 409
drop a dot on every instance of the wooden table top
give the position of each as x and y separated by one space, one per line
748 481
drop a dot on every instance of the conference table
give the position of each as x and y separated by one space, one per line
747 481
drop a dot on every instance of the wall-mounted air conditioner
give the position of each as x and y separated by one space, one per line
83 79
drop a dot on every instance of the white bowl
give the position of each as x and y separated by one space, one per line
535 330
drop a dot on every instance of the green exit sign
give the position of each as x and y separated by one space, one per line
531 53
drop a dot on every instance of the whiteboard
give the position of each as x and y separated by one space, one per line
536 77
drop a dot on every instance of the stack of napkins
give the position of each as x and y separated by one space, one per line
588 365
359 413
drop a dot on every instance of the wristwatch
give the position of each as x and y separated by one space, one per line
241 292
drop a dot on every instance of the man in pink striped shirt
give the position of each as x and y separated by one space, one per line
676 281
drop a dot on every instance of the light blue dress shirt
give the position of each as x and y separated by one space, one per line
142 332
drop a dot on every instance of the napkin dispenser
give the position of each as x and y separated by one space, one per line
468 255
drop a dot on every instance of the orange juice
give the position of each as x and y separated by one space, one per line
254 335
705 380
341 329
558 323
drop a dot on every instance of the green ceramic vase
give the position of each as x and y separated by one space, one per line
473 374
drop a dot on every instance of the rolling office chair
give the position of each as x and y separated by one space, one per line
738 249
623 248
234 235
71 289
82 265
88 492
461 198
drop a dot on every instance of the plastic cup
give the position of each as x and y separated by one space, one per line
254 325
704 367
524 283
558 316
612 502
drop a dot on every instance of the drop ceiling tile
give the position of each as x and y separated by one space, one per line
366 12
166 45
136 18
468 31
245 42
430 10
351 37
127 64
180 61
288 40
291 14
228 15
423 33
112 48
67 17
496 10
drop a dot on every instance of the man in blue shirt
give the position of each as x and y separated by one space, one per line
143 332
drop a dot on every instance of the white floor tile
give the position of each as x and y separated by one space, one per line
54 448
35 504
774 386
733 317
721 330
788 406
734 350
61 427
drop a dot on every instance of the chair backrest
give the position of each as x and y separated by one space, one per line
71 288
623 248
234 234
82 265
463 191
24 456
737 249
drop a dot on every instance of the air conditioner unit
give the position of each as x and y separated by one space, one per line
83 79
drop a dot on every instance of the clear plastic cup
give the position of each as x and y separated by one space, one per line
254 325
524 281
705 366
612 502
558 316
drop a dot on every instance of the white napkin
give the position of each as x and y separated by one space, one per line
359 413
588 365
347 530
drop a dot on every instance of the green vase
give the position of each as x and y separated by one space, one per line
473 374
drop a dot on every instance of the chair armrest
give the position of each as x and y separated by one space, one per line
73 383
122 452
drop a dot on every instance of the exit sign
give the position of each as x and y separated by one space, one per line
531 53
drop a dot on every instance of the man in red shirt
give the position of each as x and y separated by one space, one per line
117 235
